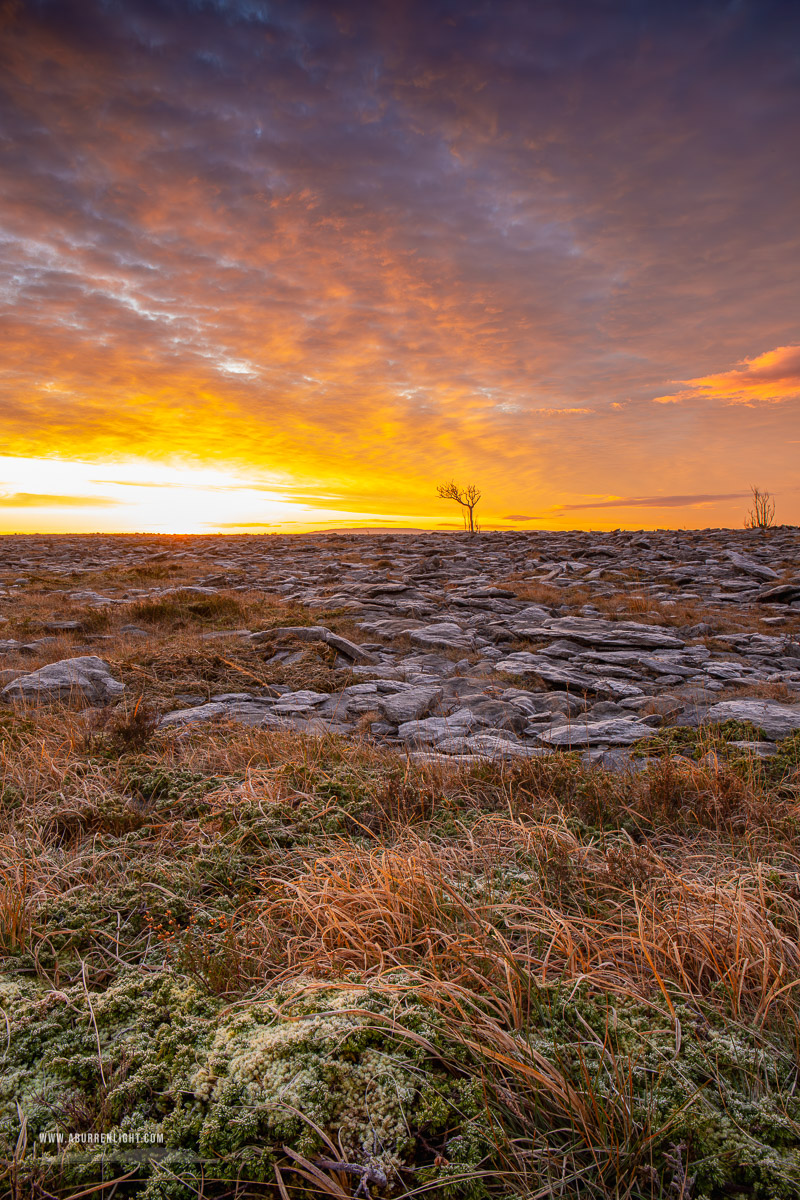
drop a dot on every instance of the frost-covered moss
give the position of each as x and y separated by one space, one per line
720 1089
156 1058
227 1087
375 1093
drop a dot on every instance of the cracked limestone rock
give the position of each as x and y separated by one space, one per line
595 631
594 733
84 680
433 729
248 710
443 635
410 705
777 720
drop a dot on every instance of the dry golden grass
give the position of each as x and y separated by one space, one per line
242 859
624 919
546 593
476 885
175 657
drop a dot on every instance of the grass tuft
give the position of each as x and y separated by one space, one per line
313 966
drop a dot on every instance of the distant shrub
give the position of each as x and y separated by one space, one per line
762 512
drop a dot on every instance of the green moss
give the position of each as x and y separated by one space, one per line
719 1088
12 797
297 821
13 728
228 1085
165 789
785 765
68 928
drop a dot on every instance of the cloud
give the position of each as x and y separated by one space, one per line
769 378
36 500
654 501
363 246
322 526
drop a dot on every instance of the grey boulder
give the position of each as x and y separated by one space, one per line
534 615
757 570
614 732
409 706
784 593
777 720
84 680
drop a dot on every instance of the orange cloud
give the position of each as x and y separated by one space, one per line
655 501
769 378
431 246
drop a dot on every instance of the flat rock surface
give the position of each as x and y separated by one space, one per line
596 733
776 720
591 631
86 679
495 645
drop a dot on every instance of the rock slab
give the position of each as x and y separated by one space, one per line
596 733
84 680
777 720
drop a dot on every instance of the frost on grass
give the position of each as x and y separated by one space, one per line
394 1085
647 1084
502 981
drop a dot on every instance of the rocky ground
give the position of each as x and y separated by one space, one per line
384 865
496 645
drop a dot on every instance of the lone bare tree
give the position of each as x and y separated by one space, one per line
762 514
467 497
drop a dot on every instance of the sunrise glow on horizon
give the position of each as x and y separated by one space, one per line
282 267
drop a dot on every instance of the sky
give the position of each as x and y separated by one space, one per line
272 266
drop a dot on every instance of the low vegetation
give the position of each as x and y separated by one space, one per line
243 963
314 967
